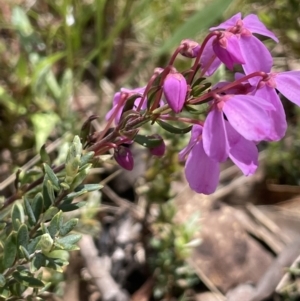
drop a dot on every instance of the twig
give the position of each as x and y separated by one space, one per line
107 286
219 296
138 214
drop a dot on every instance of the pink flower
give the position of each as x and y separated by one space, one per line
245 49
159 150
117 98
175 89
202 173
124 157
256 55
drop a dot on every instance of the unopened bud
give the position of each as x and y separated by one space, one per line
175 88
159 150
191 48
124 158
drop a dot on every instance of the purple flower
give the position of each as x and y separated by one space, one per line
124 157
221 140
159 150
246 49
227 49
175 89
256 55
202 173
117 98
287 83
247 114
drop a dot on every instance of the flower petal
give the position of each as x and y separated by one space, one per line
249 116
215 141
201 172
288 83
175 89
257 57
252 23
278 119
209 61
243 152
228 23
195 135
228 51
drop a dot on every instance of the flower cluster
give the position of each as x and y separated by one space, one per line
239 114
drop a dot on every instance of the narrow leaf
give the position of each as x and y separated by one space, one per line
10 251
55 224
29 211
44 155
68 226
28 281
148 141
172 129
71 207
24 253
52 177
70 239
37 205
17 214
23 236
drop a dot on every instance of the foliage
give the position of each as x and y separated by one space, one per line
171 245
36 235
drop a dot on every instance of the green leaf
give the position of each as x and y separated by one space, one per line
29 211
69 240
43 124
92 187
55 224
69 198
48 193
17 215
71 207
198 81
45 158
23 236
33 245
37 205
50 213
24 253
45 243
4 293
52 177
80 177
38 261
198 90
200 21
28 281
2 280
86 158
148 141
68 226
42 67
172 129
89 187
10 251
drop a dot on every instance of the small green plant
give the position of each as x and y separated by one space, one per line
34 232
172 243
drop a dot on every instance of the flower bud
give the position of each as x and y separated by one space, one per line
191 48
159 150
124 158
175 88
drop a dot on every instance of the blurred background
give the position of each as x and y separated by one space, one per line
62 61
